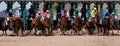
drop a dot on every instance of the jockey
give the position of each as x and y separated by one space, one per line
10 13
18 13
13 16
75 13
8 17
93 14
38 15
64 13
104 15
47 14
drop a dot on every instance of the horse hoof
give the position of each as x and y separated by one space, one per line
46 35
35 34
2 34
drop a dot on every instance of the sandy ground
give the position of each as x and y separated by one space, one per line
87 40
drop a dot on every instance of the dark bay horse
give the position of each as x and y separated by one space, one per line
64 24
8 26
92 24
108 23
18 26
77 24
46 24
35 24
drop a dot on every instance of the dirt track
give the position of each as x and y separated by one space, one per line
59 40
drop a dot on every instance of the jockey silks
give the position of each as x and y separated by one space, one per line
18 13
7 19
93 12
38 14
47 14
32 12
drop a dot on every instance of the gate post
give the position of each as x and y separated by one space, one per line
9 4
114 9
24 14
36 5
88 11
51 15
101 8
76 8
63 5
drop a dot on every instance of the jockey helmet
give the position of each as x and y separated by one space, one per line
47 10
113 13
93 16
39 13
94 9
116 17
19 9
10 10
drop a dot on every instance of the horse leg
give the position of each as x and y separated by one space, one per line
72 32
101 29
6 32
3 31
108 31
22 30
43 31
63 31
104 31
49 31
46 31
17 30
112 30
35 31
75 30
30 30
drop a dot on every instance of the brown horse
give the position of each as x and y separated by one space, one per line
64 24
77 24
18 25
46 24
8 26
35 24
108 23
93 25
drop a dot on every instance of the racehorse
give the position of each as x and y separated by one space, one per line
36 23
77 24
46 24
64 24
92 24
18 25
108 23
5 26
